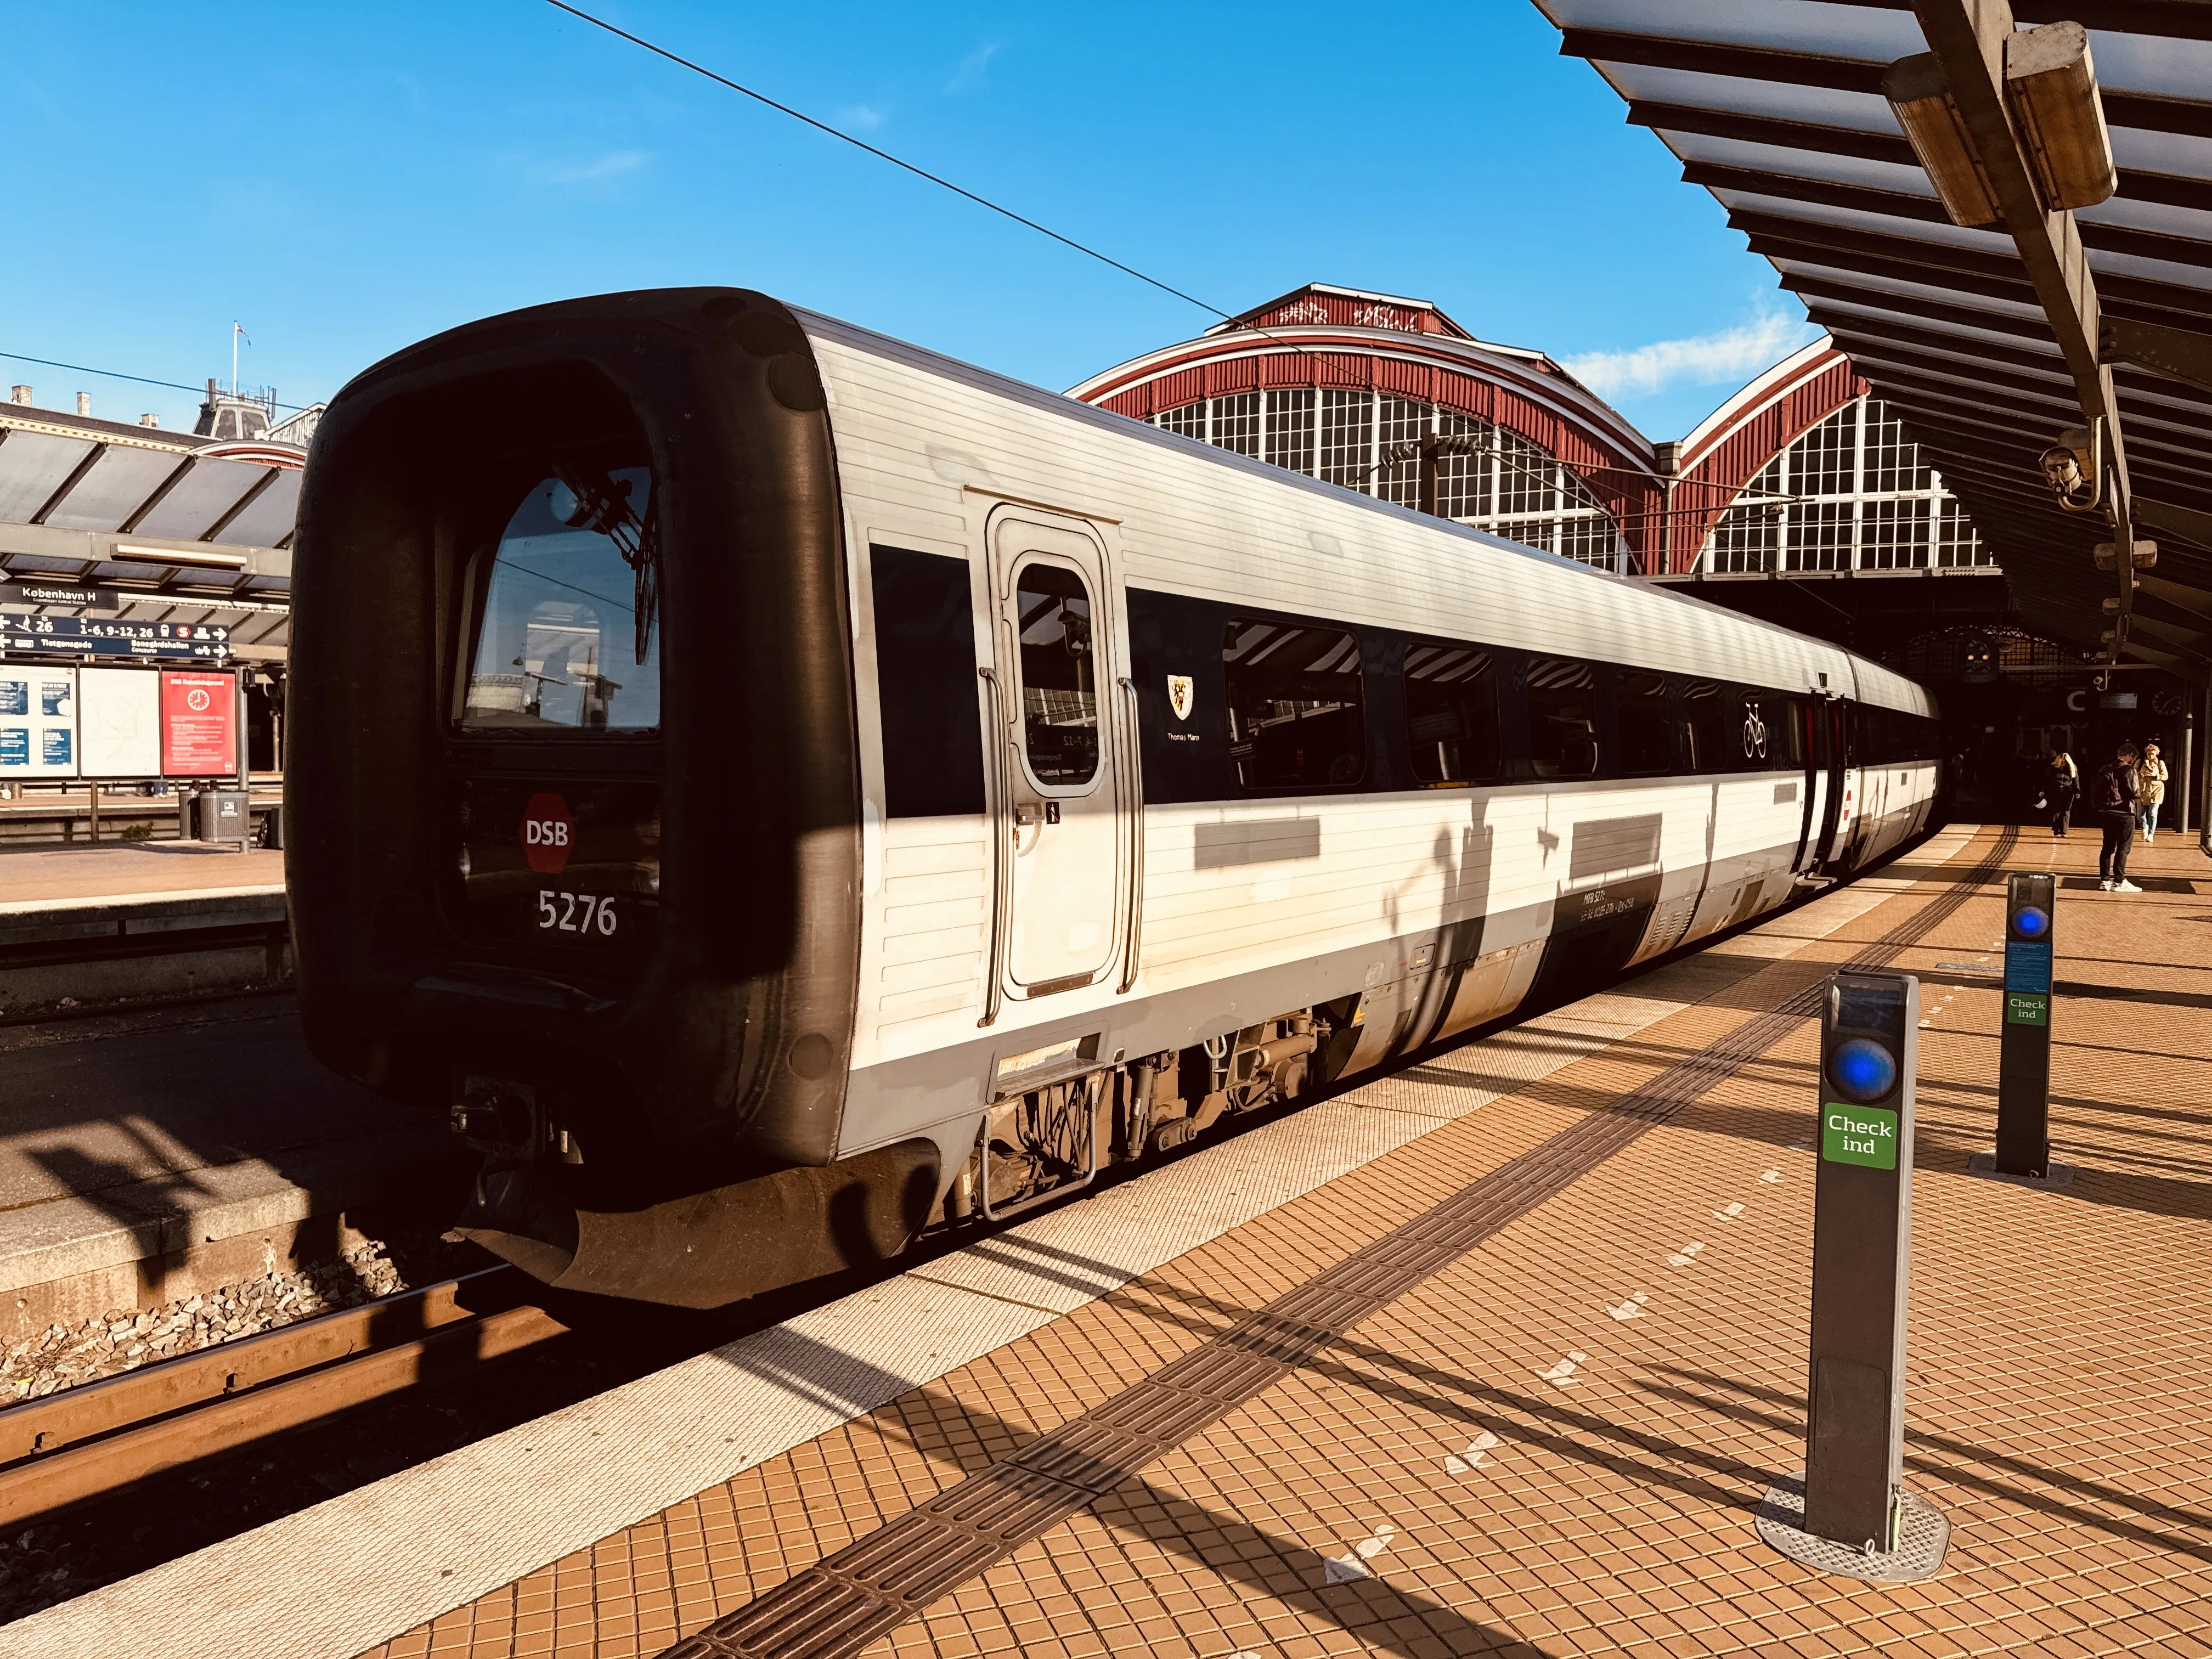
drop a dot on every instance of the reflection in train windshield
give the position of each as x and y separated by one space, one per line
567 639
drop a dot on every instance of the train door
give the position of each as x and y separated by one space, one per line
1827 760
1808 712
1063 788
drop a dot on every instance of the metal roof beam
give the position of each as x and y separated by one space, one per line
2183 522
1897 204
1782 67
2182 354
1968 38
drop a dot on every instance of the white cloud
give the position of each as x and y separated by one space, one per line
1733 353
865 116
615 162
970 72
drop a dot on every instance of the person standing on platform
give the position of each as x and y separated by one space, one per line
2061 781
2151 776
2112 797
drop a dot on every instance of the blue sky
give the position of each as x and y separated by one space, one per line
344 180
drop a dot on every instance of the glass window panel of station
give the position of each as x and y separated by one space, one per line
1538 533
1527 477
1236 422
1956 540
1291 430
1190 420
1060 700
1347 437
1825 461
1463 481
1562 717
1820 536
1294 706
1399 420
1893 464
1591 538
1893 535
1451 713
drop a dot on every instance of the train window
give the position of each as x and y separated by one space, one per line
1451 713
1060 698
1758 716
1712 746
1294 706
925 684
1647 736
1562 717
1785 733
566 638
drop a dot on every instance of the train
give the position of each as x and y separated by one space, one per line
780 792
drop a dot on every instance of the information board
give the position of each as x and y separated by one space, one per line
120 722
199 725
38 722
93 636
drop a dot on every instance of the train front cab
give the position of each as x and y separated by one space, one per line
573 839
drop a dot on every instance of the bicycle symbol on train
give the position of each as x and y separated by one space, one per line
1754 733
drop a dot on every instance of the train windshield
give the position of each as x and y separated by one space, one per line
567 638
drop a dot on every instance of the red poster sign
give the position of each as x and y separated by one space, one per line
199 726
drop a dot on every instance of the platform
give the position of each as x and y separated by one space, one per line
133 869
1227 1410
149 1157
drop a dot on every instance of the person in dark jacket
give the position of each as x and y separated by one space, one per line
2112 795
2061 781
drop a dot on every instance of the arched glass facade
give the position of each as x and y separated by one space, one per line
1851 493
1511 487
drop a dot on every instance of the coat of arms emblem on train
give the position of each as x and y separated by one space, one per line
1180 695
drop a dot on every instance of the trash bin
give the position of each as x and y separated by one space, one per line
224 815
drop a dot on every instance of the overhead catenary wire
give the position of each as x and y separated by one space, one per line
886 156
921 173
112 374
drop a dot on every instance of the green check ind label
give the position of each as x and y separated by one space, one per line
1859 1134
2027 1008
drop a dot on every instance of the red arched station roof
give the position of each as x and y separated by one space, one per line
1320 335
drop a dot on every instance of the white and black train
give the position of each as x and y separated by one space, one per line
780 789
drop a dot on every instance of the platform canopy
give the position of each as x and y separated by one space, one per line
1776 106
133 523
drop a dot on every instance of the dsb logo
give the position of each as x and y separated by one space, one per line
548 834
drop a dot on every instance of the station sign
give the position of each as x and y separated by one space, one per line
94 637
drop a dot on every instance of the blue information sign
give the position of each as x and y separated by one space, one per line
93 636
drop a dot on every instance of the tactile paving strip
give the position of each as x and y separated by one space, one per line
849 1599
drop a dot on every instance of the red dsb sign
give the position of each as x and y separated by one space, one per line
199 726
548 834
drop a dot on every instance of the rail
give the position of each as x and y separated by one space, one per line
99 1438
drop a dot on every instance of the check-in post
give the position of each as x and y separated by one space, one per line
1862 1244
2024 1049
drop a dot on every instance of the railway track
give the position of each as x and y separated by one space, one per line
98 1439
